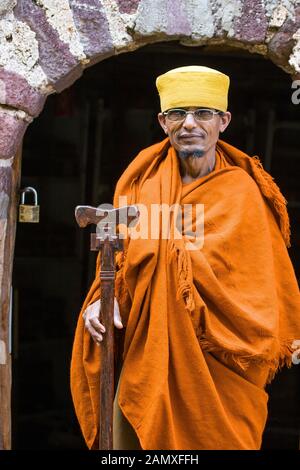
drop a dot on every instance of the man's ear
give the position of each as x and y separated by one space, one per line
224 121
162 121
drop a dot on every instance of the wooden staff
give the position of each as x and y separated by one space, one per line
107 242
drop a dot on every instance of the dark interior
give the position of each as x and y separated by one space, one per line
73 153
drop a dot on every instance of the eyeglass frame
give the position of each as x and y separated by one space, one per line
165 113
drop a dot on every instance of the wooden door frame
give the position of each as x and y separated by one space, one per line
9 201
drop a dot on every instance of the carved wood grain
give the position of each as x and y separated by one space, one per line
10 195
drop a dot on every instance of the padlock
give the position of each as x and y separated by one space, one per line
29 213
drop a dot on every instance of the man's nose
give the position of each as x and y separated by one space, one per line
190 121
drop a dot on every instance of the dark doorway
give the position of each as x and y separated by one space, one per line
73 154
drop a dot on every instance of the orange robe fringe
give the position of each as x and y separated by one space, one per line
205 329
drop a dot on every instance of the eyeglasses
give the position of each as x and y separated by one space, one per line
201 114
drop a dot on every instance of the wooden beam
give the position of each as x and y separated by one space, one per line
10 172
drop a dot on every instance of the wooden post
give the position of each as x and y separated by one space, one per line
107 242
107 246
10 172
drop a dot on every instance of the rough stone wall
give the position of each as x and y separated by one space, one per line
46 44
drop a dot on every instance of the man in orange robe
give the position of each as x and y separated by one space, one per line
206 326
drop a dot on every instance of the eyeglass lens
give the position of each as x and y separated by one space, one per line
199 114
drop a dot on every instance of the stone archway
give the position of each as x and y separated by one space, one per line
45 45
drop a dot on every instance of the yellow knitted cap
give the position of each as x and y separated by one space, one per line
193 86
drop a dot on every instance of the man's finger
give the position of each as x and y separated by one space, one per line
96 336
97 325
117 316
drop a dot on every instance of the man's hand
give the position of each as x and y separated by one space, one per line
92 323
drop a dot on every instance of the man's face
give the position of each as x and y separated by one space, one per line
191 135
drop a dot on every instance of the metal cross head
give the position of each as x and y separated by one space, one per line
106 221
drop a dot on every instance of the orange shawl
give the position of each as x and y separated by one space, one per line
205 329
